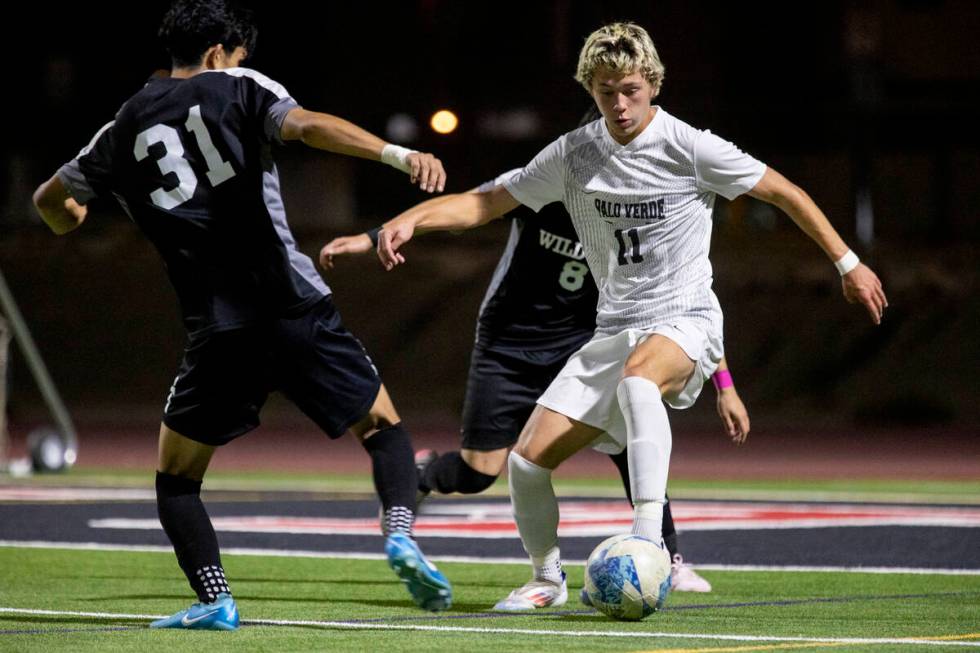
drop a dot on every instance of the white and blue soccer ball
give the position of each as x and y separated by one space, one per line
628 577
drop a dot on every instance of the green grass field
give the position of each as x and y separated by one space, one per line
356 605
103 600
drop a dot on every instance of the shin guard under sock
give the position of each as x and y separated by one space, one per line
186 523
395 477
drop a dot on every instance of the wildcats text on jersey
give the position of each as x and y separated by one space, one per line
561 245
652 210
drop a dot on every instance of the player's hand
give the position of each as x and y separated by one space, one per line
733 415
862 286
427 171
359 244
393 236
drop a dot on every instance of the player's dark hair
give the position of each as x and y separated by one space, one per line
190 27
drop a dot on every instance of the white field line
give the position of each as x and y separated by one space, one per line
342 555
908 641
18 494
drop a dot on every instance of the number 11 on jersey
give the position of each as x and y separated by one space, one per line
633 246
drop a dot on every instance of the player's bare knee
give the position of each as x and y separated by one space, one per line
523 450
670 377
382 415
184 464
491 463
180 456
371 424
639 363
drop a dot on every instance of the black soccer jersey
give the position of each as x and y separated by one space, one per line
190 161
542 297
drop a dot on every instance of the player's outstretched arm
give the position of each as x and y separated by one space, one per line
359 244
730 407
57 208
327 132
860 284
447 213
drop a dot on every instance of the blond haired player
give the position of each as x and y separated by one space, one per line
639 185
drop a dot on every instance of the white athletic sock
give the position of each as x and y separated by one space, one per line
648 520
536 513
648 444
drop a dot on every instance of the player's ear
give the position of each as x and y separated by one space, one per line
214 56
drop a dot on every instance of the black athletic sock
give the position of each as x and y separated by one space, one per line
395 478
669 532
622 464
189 528
450 473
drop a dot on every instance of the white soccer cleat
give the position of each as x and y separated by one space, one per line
535 594
683 578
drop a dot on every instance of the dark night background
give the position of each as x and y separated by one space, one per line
871 106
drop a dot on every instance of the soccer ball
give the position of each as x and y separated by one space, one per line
628 577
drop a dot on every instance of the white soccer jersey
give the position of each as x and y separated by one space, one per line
643 214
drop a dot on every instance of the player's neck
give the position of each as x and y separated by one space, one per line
184 72
629 138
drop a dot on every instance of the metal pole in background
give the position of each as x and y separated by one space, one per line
51 397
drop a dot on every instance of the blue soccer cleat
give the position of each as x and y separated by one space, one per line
429 588
220 615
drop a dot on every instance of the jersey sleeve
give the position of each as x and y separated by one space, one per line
723 168
88 174
541 181
268 99
496 181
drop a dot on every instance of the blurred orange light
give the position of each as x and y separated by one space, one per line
444 121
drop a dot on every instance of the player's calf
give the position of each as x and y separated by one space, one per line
186 523
450 473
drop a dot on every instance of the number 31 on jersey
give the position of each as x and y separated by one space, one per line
174 161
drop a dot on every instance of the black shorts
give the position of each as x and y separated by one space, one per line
501 392
226 376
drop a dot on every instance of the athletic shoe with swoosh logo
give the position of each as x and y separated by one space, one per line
222 614
429 588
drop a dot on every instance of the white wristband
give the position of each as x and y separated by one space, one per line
846 263
397 157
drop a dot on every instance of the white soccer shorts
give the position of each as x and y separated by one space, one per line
585 389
